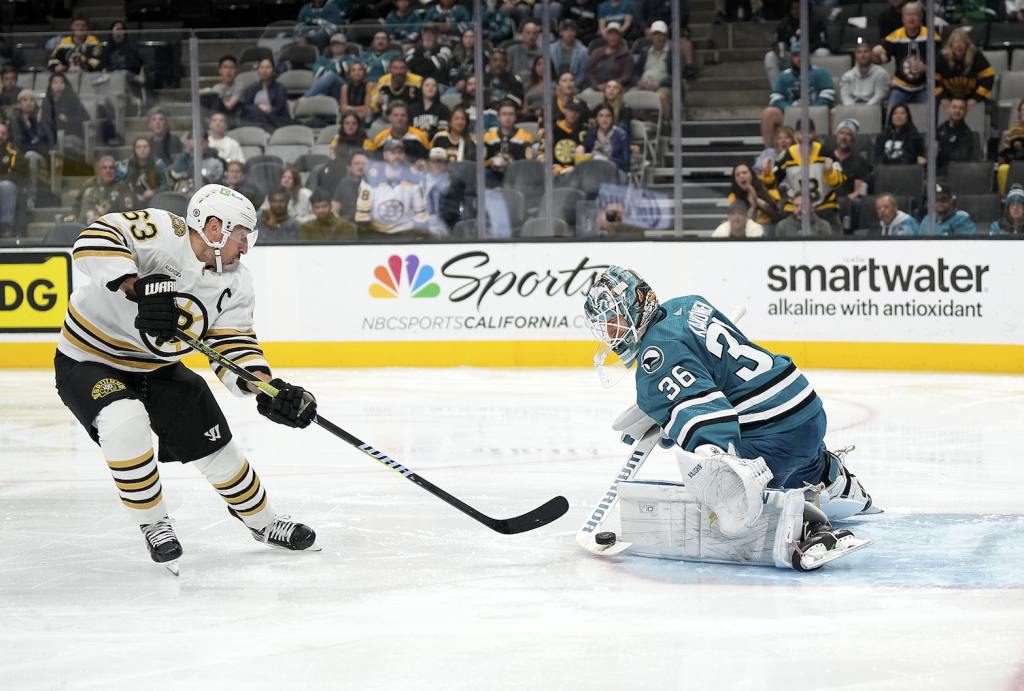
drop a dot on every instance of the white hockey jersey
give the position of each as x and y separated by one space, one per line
391 205
100 322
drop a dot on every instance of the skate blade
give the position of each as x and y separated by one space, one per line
588 542
315 547
871 511
172 566
812 561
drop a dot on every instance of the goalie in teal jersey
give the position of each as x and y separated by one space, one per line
713 392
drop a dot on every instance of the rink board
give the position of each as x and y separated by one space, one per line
940 305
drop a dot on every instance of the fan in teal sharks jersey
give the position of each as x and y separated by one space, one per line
704 383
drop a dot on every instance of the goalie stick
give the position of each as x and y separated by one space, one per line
540 516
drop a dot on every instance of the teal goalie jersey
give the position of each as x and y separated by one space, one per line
701 379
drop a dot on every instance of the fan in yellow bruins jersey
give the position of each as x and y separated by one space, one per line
824 177
118 363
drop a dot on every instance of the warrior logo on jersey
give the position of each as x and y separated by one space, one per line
193 319
652 360
105 387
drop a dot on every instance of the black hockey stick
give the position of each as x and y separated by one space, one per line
540 516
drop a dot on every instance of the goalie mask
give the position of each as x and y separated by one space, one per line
619 308
236 213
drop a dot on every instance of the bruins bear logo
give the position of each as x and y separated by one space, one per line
105 387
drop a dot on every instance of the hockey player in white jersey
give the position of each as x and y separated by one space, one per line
150 272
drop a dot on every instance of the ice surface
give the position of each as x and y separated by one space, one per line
410 594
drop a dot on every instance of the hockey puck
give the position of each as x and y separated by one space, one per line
605 539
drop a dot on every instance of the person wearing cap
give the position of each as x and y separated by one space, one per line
429 58
907 47
865 83
403 23
621 13
567 135
892 221
521 56
653 65
792 226
824 175
949 220
413 140
611 61
329 70
568 54
506 142
737 223
955 139
1012 220
786 92
390 205
855 167
399 84
654 11
317 21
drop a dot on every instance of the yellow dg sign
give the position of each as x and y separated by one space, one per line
34 290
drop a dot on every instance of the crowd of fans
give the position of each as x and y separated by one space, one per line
402 129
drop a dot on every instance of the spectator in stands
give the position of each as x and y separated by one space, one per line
10 177
490 115
522 56
102 195
824 177
792 226
907 46
318 20
181 174
533 98
390 204
584 14
355 93
29 131
567 135
892 221
346 191
275 224
265 101
121 52
654 11
144 174
782 139
457 140
606 141
463 61
865 83
226 95
949 220
429 58
450 18
891 18
1011 147
787 34
234 177
612 60
299 205
617 12
622 113
398 84
325 226
653 65
329 70
737 223
436 182
1012 220
78 51
899 142
963 71
350 137
506 142
413 140
855 167
501 82
404 22
164 145
8 91
378 57
498 25
427 113
786 93
763 204
955 139
64 112
226 147
568 54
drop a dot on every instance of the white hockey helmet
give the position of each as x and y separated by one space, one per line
232 208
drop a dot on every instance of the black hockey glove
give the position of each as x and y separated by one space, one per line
158 313
293 406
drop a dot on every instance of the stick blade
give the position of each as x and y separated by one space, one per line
551 510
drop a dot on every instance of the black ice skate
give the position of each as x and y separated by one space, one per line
163 544
822 543
284 534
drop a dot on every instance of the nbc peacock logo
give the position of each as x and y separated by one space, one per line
388 279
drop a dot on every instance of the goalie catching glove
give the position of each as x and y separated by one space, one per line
158 312
726 484
292 406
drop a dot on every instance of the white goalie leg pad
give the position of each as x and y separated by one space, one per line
664 519
727 485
